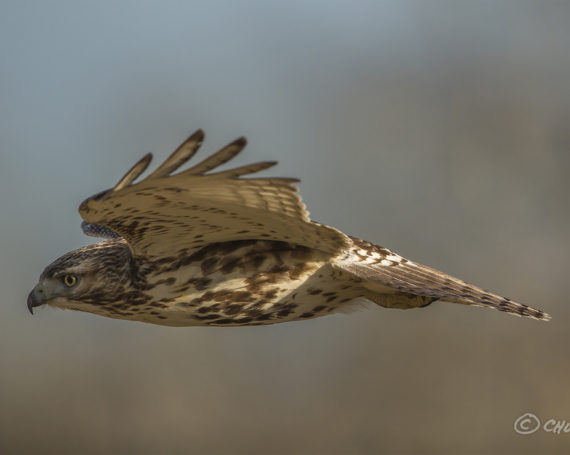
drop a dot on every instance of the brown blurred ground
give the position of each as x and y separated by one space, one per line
440 132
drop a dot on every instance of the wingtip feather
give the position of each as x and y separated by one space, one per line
222 156
181 155
139 167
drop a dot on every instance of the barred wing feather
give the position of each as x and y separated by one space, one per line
168 214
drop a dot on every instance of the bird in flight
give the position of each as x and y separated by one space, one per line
213 247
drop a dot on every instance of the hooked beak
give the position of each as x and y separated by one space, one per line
36 298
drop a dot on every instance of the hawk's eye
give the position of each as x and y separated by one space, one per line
69 280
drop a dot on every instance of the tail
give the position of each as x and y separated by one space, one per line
391 275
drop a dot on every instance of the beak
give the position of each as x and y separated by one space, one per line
36 298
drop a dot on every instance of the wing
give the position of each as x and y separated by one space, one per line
379 268
167 214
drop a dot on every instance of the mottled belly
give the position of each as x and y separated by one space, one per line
255 283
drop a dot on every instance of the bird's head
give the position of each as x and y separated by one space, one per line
85 278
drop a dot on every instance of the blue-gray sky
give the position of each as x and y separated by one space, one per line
438 129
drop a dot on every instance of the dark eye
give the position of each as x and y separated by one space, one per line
69 280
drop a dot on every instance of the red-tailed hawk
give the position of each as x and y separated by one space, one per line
206 247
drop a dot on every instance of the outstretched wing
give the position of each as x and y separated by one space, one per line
379 267
168 214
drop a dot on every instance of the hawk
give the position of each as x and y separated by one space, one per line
215 247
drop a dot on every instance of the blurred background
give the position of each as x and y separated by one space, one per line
438 129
